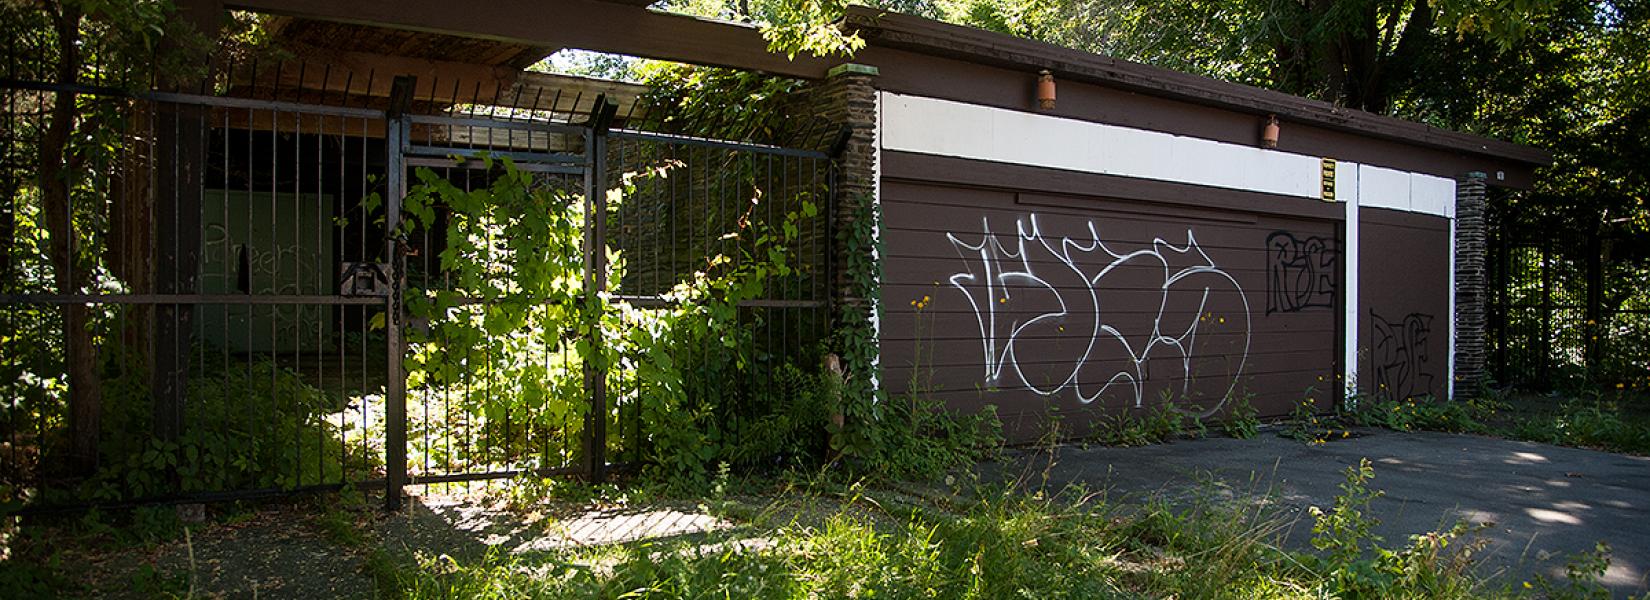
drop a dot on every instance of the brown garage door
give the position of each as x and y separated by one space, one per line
1086 306
1403 295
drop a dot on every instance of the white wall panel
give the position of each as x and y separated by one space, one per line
1432 195
1383 188
1346 182
947 128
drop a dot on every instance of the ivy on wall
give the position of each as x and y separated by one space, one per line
855 336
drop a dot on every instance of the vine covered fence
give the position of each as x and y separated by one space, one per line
241 296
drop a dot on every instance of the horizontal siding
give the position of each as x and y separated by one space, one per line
1404 273
1026 342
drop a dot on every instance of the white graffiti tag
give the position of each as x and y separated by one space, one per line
1082 284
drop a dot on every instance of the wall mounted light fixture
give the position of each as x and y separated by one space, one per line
1045 90
1269 134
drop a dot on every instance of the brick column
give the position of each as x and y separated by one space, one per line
848 98
1471 285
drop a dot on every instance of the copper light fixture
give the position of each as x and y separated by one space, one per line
1045 90
1269 134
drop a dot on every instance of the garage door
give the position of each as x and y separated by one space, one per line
1077 307
1403 329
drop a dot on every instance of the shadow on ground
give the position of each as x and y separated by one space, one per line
469 526
1541 504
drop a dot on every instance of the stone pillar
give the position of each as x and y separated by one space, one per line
1471 285
848 98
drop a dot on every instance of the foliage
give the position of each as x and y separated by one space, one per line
500 343
919 438
855 338
791 27
1581 581
1426 413
810 26
252 427
1357 566
1598 424
727 104
908 435
1242 420
989 542
1595 420
1306 424
692 372
1159 424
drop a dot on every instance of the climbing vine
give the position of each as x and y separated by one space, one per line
856 336
910 435
509 334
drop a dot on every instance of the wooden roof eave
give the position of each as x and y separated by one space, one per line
905 32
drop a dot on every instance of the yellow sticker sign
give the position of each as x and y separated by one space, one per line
1329 180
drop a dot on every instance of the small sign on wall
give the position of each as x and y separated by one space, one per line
1329 180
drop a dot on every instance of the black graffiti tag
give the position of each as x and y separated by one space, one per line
1400 356
1300 273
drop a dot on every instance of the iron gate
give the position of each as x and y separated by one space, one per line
244 279
1563 314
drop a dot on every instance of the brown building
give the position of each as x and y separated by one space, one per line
1147 237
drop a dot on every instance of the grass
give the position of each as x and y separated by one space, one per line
1609 421
826 540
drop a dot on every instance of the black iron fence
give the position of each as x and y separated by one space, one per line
220 300
1564 314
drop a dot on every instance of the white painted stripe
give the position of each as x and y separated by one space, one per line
1449 369
1432 195
1346 182
958 129
876 254
1383 188
948 128
1350 180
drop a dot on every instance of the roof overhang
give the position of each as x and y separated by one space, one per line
915 34
628 27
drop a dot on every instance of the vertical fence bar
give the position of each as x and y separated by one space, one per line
595 279
395 386
1595 302
1544 346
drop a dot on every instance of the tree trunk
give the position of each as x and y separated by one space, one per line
85 389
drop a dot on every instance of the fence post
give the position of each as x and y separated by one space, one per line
1595 303
1546 343
395 387
1503 282
595 282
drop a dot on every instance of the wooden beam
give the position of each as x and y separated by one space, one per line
916 34
368 75
584 24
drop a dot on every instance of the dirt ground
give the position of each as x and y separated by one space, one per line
290 550
272 551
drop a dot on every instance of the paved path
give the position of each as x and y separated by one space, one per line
1546 502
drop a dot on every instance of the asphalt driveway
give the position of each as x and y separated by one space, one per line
1545 503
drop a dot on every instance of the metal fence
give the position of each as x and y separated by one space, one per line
1562 313
218 308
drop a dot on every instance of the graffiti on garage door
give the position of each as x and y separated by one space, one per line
1072 281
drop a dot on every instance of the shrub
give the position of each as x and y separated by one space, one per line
248 426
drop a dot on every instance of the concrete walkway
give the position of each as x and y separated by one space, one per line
1546 503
